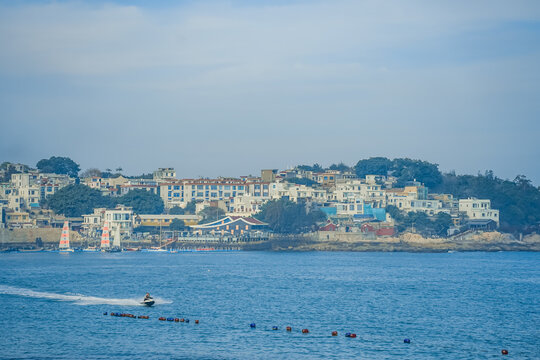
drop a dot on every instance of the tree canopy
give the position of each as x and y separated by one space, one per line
285 216
339 167
518 201
92 172
177 225
142 201
373 166
76 200
404 169
420 222
58 165
191 207
313 168
176 210
211 213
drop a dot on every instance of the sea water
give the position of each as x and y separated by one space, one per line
450 305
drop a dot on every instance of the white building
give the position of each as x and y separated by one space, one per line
477 209
164 173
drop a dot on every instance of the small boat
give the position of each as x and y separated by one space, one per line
133 249
31 250
64 240
90 249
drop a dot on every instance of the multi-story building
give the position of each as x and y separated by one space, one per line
295 192
181 192
478 209
120 217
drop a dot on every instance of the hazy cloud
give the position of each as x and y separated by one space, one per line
227 88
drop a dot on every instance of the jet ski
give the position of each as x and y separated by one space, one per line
148 300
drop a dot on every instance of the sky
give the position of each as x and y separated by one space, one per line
227 88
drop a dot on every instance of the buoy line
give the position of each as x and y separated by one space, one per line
251 325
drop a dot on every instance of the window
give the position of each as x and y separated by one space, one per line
214 187
176 187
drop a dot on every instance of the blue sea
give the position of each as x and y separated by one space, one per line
450 305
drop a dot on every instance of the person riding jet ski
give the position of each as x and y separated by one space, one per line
148 300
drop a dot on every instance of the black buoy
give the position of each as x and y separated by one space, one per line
252 325
105 313
407 341
274 327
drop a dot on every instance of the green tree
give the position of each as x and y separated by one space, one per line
302 181
142 201
422 171
284 216
76 200
176 210
177 225
58 165
91 173
373 166
420 222
191 207
211 213
442 223
339 167
314 168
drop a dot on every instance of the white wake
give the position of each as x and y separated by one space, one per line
77 299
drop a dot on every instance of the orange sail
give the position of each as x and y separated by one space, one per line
105 242
64 238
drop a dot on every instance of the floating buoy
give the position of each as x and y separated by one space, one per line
353 335
170 319
504 352
289 328
274 327
187 320
407 341
334 333
196 321
162 319
112 314
143 317
305 331
105 313
182 320
252 325
176 319
347 334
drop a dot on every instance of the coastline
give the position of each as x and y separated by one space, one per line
317 241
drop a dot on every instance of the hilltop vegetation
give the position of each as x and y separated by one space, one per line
518 200
76 200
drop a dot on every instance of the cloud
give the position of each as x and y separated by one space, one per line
297 82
